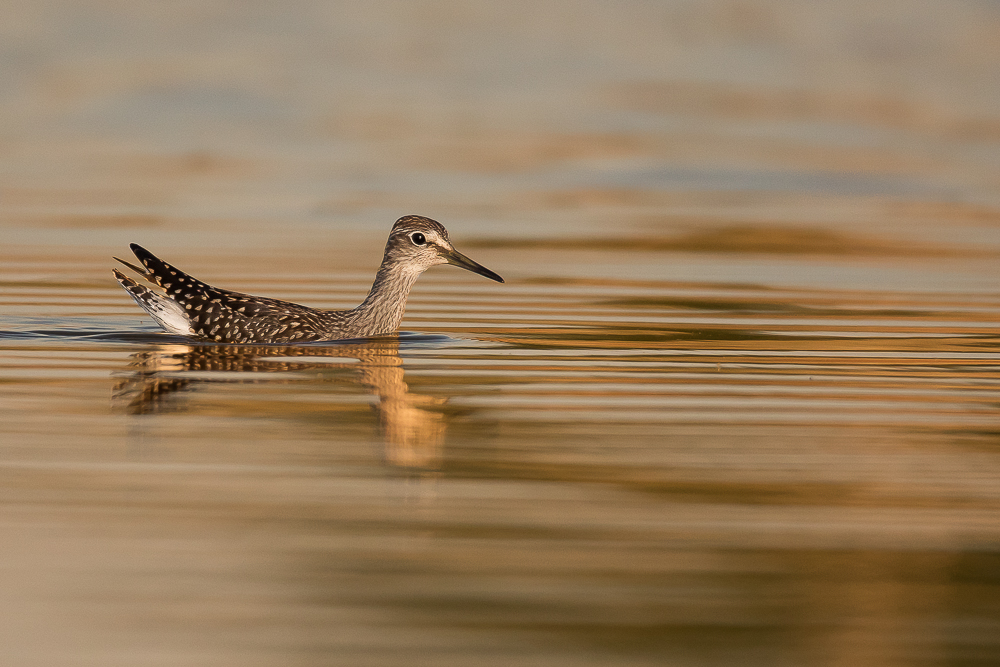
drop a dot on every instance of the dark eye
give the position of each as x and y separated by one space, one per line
418 238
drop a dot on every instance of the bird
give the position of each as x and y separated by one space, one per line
182 304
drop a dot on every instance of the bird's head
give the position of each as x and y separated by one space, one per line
419 243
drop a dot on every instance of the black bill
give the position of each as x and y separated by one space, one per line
456 258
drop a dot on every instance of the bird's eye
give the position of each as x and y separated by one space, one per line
418 238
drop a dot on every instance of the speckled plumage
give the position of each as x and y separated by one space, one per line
189 307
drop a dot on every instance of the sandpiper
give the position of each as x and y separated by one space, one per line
186 306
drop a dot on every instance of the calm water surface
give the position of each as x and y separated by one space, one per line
571 470
738 402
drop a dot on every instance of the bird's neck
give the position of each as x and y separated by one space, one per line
382 310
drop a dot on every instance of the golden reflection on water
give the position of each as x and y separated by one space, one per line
412 430
584 470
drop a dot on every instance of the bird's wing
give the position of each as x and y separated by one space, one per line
224 315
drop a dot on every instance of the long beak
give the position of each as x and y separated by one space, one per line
458 259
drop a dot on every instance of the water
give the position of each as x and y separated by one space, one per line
737 403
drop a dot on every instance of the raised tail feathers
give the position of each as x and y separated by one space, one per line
142 272
168 313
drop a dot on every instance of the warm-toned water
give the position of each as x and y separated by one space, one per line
738 402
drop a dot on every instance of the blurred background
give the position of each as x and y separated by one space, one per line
737 402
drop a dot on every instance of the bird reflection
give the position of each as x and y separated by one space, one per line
413 434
